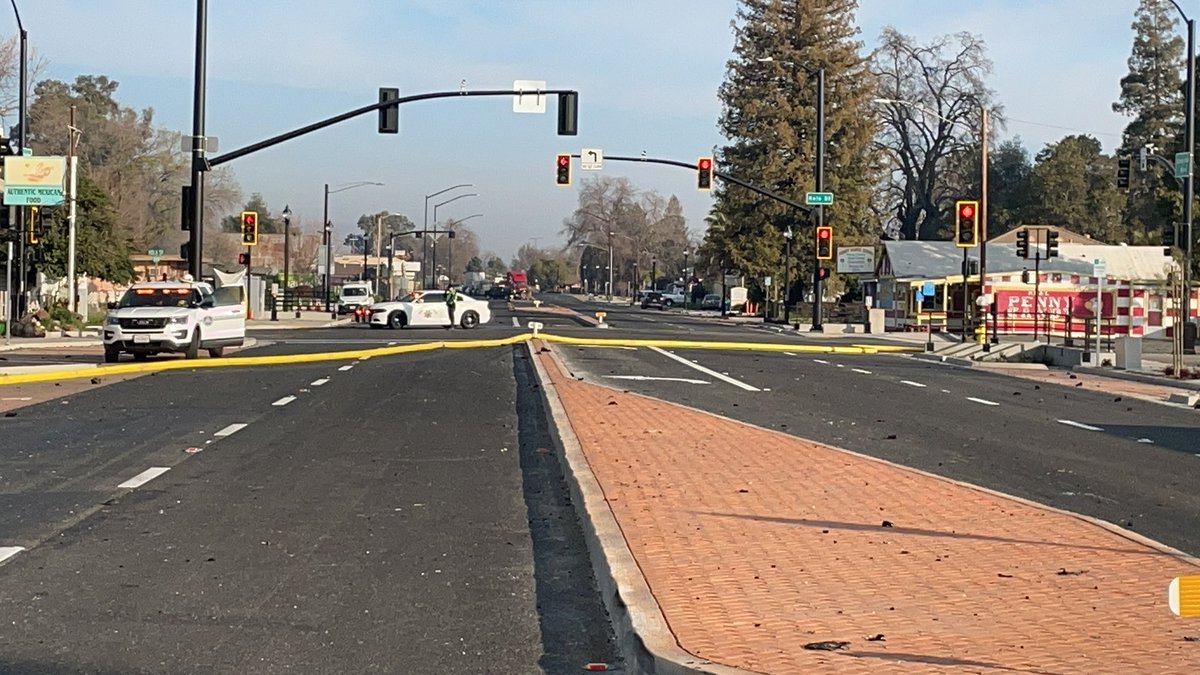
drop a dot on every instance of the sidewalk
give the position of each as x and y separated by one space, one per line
288 321
755 543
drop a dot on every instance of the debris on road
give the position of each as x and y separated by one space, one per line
828 645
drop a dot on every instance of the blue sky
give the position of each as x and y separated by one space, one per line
647 72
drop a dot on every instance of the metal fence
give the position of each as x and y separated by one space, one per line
1064 329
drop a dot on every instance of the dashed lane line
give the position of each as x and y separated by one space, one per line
7 552
346 367
229 430
317 383
707 371
1080 425
981 401
145 477
516 322
821 361
284 401
860 370
911 383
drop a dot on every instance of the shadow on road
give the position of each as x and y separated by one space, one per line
575 626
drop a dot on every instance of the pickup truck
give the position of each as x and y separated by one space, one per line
662 299
167 316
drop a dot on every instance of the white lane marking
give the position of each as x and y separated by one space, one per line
789 353
945 391
821 361
516 322
631 349
860 370
145 477
1145 440
648 378
317 383
983 401
229 430
841 365
1080 425
17 398
285 400
345 368
706 371
911 383
7 552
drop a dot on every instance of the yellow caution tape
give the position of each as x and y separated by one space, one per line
319 357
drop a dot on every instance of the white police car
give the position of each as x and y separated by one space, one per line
169 316
428 308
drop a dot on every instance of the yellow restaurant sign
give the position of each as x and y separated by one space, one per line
34 181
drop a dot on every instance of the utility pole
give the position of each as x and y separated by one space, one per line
72 188
327 231
983 216
610 266
23 116
1189 186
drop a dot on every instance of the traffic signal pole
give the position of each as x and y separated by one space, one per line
817 325
196 238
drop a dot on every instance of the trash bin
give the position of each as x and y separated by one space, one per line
1189 337
1129 353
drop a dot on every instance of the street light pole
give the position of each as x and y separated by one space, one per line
787 262
610 266
287 251
433 280
328 230
425 225
983 219
1189 186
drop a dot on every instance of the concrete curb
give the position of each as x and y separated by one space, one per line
645 638
52 344
982 365
1144 378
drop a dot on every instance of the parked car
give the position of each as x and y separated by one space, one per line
655 299
499 292
168 316
711 301
428 308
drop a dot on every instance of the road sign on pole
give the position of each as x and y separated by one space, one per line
818 198
591 159
155 254
1183 164
531 99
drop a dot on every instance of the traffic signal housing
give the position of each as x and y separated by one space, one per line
389 116
563 168
966 224
244 259
822 273
824 243
1051 244
250 228
1023 243
704 173
1123 164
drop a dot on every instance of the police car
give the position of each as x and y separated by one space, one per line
428 308
169 316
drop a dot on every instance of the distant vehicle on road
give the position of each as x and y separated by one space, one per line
428 308
499 292
661 299
711 301
168 316
519 284
355 294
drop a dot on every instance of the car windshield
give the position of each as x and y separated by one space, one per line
353 292
159 297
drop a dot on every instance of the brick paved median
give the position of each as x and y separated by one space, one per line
756 543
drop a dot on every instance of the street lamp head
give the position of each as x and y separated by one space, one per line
287 212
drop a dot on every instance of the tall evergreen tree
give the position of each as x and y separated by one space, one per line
1072 186
1152 96
769 118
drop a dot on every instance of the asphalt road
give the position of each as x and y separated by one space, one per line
1131 462
397 514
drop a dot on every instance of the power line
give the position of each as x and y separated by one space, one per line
1062 128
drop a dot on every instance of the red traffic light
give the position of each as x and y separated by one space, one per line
564 160
824 232
705 164
966 211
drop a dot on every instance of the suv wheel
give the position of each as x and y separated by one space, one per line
112 354
193 349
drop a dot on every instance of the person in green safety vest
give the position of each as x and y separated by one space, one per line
451 301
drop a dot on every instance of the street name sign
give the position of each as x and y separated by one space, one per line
818 198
